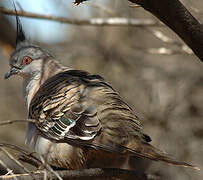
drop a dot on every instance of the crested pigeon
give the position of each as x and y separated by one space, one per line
80 120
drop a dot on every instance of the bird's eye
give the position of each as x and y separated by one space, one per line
27 60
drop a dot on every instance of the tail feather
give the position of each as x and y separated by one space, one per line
146 150
137 148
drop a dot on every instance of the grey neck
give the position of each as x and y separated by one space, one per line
32 83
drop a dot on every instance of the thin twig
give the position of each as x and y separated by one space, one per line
116 21
175 15
16 161
161 36
30 160
131 5
164 51
102 8
71 174
10 172
25 156
14 147
16 121
49 168
167 51
102 173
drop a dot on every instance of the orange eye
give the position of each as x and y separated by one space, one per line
27 60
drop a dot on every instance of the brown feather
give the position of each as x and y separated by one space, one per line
97 116
146 150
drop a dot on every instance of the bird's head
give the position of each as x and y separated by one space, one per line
27 59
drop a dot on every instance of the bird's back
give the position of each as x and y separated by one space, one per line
82 110
74 90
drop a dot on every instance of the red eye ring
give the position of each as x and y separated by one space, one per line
27 60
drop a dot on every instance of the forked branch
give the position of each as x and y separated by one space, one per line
174 14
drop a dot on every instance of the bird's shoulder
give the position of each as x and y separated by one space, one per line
77 105
63 101
70 84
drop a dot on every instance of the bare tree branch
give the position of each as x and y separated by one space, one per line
179 19
109 22
88 174
116 21
104 173
102 8
9 171
183 48
16 161
30 160
174 14
49 168
165 51
16 121
24 154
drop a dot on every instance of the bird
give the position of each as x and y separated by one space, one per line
80 120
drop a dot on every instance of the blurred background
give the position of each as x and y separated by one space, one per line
149 66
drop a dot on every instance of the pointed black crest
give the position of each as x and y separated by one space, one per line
20 35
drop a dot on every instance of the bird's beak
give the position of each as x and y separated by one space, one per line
11 72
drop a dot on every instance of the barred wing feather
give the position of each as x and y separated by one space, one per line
63 108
